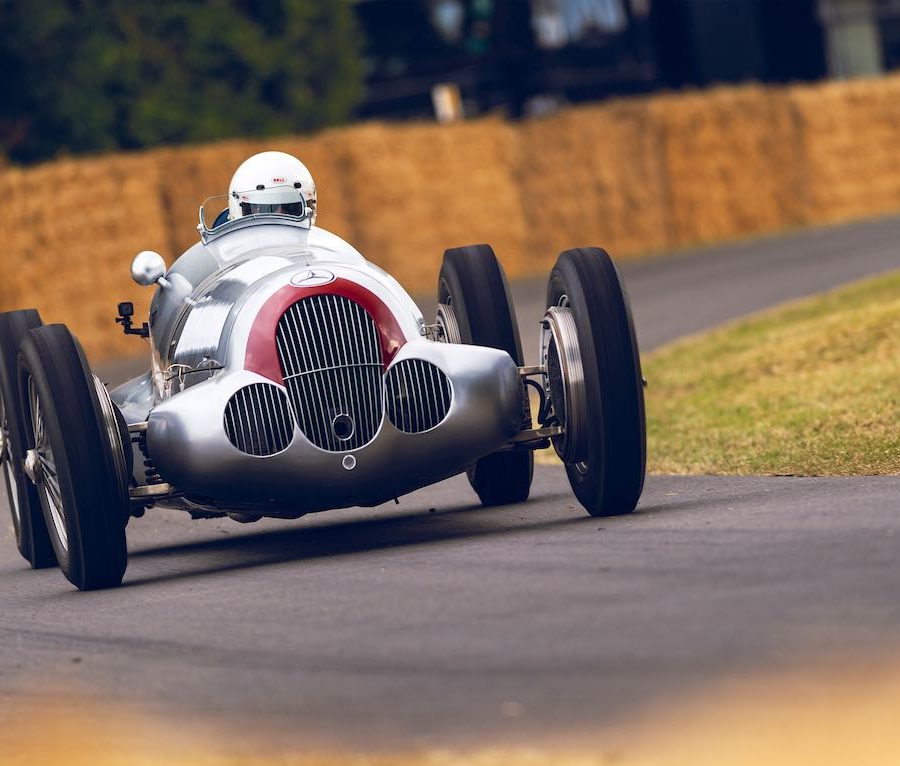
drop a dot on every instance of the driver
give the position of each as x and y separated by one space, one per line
272 182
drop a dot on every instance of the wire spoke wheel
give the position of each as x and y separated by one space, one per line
46 477
12 487
71 458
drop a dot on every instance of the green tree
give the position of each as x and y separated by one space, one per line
88 75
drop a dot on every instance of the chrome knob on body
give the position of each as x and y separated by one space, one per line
149 268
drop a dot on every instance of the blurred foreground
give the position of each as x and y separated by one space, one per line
818 718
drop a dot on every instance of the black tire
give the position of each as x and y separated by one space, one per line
32 539
609 482
85 508
472 282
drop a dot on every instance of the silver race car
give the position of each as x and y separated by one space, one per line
289 375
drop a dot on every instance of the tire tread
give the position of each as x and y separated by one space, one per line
33 540
473 276
617 462
95 518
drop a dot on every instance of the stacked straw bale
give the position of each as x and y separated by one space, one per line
631 176
415 190
188 176
68 235
592 176
729 157
850 134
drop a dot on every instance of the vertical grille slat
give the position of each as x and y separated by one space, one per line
257 420
433 388
293 351
418 395
312 399
409 399
331 362
312 395
414 401
242 418
423 400
367 350
352 330
342 329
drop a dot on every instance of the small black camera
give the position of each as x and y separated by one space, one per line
126 311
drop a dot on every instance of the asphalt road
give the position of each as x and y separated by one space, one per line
694 290
436 622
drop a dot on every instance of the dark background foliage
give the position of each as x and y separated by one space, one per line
92 75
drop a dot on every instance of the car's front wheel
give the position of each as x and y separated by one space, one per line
71 459
600 397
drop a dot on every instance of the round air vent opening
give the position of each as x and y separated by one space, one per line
343 427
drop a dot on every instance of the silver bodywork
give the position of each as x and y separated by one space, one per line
205 317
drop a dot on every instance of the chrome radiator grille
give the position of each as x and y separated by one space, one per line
331 362
258 420
418 395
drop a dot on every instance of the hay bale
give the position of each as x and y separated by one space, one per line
188 176
592 176
850 136
730 160
69 235
414 190
632 176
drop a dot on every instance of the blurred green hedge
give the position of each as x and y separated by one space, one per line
93 75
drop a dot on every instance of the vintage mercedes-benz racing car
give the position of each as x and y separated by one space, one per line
289 375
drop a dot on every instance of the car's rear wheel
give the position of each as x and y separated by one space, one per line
32 539
595 382
73 460
475 307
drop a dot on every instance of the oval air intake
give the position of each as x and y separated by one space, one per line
258 420
418 395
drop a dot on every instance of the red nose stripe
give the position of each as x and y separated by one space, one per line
262 353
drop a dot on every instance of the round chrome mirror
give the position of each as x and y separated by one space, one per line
148 268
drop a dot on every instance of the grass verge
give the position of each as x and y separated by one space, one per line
811 388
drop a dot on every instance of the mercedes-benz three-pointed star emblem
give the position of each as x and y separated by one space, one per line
312 278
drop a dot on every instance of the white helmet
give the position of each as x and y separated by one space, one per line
272 182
